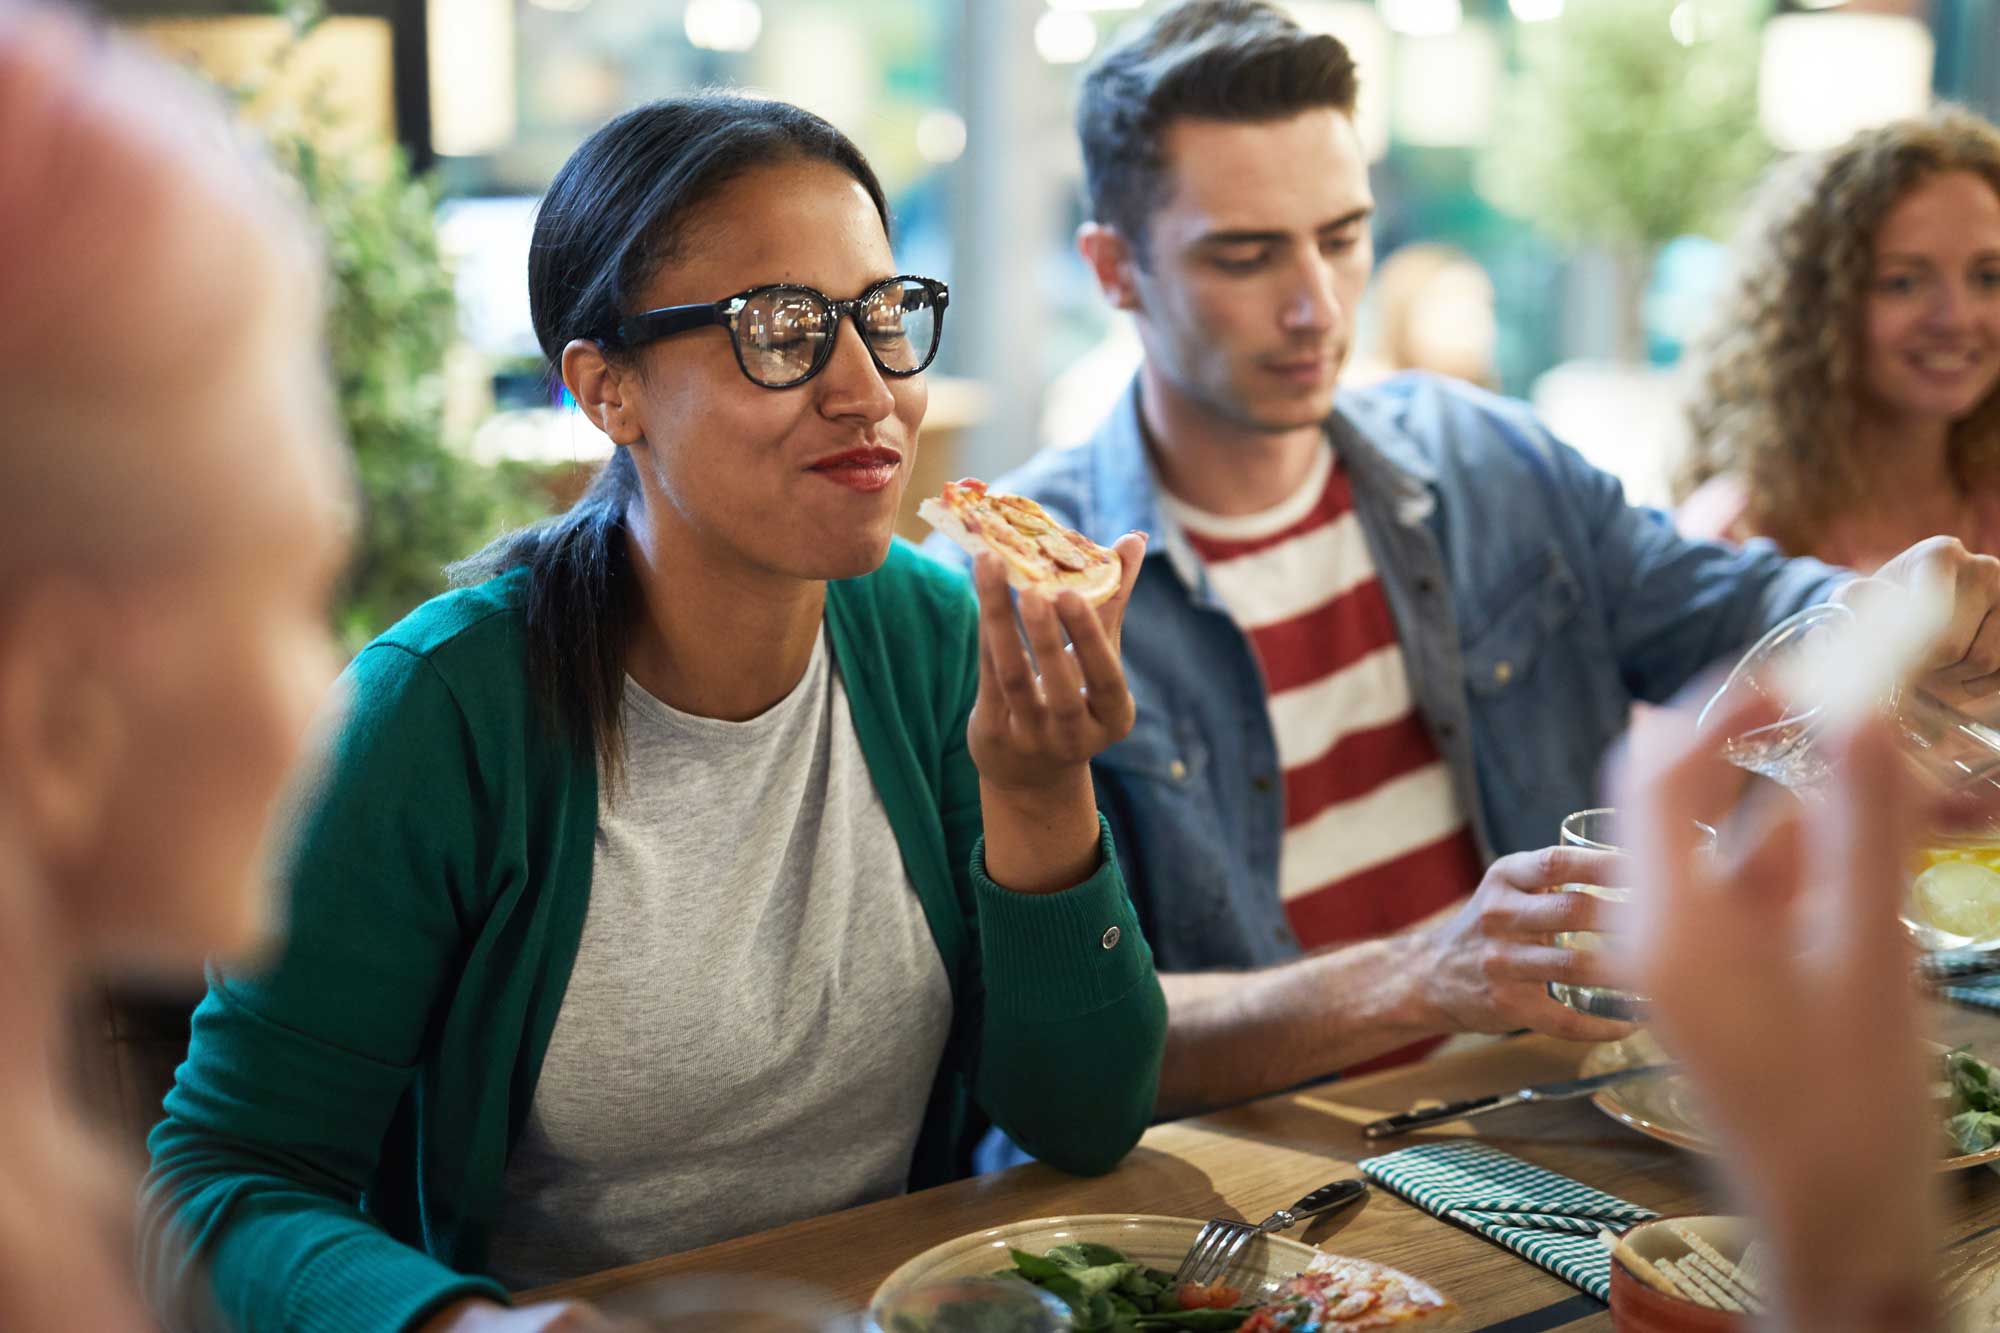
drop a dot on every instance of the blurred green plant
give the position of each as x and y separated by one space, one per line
391 322
1628 123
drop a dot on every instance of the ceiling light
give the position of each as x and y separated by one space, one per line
723 25
1065 37
940 136
1422 18
1823 77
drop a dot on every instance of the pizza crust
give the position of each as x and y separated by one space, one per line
1098 581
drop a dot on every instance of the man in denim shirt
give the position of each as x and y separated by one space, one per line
1527 605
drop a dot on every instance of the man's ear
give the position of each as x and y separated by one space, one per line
62 725
603 389
1112 261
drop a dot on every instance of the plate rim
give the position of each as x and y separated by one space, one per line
1597 1059
898 1276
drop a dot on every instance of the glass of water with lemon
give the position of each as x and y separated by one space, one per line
1954 898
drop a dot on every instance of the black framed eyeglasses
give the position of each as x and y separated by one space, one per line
784 332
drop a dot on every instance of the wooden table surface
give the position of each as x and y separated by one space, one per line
1249 1160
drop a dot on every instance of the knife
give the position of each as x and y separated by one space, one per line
1546 1092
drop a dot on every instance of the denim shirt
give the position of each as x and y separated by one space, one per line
1533 606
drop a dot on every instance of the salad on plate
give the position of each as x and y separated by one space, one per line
1107 1292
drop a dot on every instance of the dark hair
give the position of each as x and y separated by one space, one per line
616 212
1230 60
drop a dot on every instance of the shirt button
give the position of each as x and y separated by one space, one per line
1446 731
1427 585
1261 784
1502 672
1282 935
1110 940
1178 772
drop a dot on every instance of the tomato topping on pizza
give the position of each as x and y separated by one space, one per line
1341 1295
1035 550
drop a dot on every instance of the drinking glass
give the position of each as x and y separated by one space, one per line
1596 830
1949 751
989 1304
738 1303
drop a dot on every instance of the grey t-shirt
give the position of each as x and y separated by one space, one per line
757 1010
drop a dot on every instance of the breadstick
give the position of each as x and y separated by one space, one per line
1718 1268
1705 1275
1690 1289
1637 1266
1750 1268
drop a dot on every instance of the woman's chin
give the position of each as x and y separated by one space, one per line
847 557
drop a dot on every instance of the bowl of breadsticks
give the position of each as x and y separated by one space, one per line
1686 1275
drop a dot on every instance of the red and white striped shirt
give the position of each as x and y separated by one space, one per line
1374 838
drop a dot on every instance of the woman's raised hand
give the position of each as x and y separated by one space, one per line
1038 722
1039 719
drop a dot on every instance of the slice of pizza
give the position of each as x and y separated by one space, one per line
1337 1294
1035 550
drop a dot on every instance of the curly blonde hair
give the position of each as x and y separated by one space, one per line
1773 380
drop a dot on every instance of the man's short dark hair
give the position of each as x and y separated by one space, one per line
1229 60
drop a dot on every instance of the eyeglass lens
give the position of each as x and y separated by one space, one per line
780 333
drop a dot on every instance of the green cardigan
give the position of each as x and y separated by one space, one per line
333 1148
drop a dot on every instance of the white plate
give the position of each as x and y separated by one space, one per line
1664 1105
1266 1264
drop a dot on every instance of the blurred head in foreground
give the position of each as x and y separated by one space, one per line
173 507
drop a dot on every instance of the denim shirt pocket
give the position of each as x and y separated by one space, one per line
1168 748
1527 607
1517 679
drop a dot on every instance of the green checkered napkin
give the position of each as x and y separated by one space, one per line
1546 1218
1977 993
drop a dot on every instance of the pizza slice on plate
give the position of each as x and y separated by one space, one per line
1337 1294
1035 550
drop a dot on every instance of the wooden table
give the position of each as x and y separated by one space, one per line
1249 1160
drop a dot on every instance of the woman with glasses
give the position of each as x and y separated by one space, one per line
707 861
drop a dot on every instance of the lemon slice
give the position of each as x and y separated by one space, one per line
1961 897
1983 852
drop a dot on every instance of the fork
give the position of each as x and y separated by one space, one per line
1221 1239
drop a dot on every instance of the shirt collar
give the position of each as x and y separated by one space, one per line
1380 457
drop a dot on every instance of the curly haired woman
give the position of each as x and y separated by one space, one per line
1847 401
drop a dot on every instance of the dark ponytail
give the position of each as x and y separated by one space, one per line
613 215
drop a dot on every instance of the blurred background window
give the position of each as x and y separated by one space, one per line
1580 159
